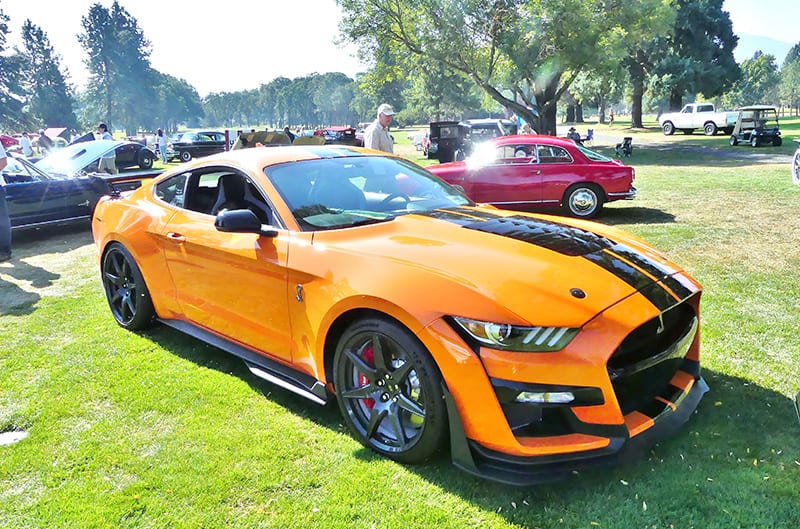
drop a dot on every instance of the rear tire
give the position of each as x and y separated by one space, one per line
584 201
777 141
754 141
710 129
796 167
186 156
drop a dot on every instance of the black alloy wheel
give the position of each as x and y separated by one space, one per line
146 159
125 289
389 391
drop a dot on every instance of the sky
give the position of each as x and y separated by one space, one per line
240 45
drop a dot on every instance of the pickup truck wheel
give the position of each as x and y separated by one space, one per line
710 129
668 128
734 141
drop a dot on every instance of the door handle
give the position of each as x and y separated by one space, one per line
177 237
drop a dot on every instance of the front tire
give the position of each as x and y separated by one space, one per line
668 128
734 141
126 292
186 156
754 141
796 167
390 391
583 201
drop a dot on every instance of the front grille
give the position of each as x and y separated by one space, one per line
644 363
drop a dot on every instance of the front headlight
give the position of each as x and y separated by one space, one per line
513 338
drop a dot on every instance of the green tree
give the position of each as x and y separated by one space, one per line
12 93
758 83
51 98
178 102
698 55
523 54
789 88
118 59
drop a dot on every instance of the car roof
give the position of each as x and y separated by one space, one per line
263 157
533 138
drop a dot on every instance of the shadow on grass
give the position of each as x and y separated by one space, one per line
740 448
15 300
734 464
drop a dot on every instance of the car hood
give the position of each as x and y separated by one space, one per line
72 159
515 268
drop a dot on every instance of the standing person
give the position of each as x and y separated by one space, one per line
25 143
376 135
108 163
162 145
5 220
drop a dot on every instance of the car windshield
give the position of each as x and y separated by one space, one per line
343 192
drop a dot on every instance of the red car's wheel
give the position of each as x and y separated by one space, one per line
126 292
389 391
583 200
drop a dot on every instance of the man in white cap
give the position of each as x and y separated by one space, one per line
376 135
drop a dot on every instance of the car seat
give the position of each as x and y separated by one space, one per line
337 192
230 193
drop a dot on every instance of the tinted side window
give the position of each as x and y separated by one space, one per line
173 190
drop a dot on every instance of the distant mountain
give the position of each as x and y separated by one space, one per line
749 44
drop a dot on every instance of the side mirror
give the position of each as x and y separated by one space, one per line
241 221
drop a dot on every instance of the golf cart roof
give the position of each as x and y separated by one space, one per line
758 107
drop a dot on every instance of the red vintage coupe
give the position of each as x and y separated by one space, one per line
536 171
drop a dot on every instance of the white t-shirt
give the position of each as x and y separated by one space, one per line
25 143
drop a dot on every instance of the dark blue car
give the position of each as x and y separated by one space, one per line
61 187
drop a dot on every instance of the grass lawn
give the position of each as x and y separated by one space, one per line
156 430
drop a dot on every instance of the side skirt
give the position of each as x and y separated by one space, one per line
295 381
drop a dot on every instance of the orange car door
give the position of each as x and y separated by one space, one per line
234 284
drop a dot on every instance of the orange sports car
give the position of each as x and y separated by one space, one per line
528 345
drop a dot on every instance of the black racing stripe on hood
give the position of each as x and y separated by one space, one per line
659 271
654 292
566 240
461 216
574 242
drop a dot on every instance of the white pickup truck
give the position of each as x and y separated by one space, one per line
698 116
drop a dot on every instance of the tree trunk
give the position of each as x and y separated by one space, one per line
570 118
578 113
636 71
675 100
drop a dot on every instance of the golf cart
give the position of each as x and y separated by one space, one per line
756 125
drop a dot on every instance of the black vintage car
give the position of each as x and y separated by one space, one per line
196 144
455 140
61 188
127 153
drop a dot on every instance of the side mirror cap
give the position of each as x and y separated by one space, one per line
242 221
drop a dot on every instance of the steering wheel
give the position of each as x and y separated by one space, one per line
386 201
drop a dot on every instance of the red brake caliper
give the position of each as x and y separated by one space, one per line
369 357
